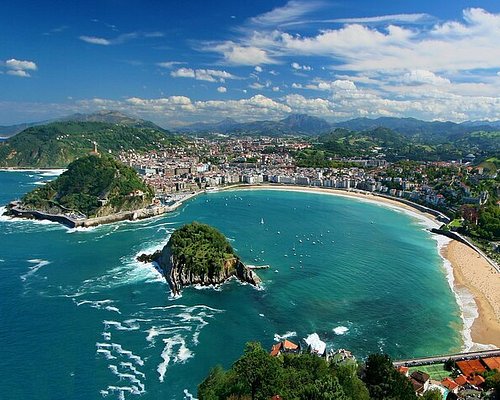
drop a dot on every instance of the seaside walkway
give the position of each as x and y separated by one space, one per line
441 359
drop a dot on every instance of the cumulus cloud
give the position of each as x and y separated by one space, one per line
421 76
19 68
221 89
209 75
258 68
236 54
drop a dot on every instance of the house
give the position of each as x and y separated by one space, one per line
450 384
286 346
404 371
420 381
461 380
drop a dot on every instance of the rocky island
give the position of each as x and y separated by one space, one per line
94 189
199 254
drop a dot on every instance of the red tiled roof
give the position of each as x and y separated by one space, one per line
492 362
275 349
287 345
461 380
477 380
403 370
449 383
470 367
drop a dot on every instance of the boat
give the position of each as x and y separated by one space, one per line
262 221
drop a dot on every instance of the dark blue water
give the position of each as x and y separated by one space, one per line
80 319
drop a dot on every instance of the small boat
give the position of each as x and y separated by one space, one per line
262 221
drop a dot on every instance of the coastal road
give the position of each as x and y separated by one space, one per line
443 358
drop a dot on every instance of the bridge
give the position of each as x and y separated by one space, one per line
441 359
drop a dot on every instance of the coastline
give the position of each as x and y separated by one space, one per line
474 274
474 282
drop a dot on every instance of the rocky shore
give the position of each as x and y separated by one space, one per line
178 275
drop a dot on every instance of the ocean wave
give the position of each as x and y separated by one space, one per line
182 354
340 330
32 270
129 325
99 304
287 335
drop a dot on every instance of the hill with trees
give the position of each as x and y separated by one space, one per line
59 143
257 375
94 186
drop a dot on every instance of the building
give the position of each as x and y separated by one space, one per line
286 346
420 381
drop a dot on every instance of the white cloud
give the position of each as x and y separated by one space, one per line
19 68
297 66
221 89
241 55
209 75
125 37
256 86
393 18
20 65
169 64
18 72
95 40
291 11
258 68
420 76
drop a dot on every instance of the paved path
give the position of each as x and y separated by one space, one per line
443 358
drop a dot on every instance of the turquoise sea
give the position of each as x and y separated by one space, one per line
81 319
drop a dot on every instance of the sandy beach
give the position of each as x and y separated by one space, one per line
470 270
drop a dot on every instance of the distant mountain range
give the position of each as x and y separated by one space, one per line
301 124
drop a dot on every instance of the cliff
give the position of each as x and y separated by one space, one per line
198 254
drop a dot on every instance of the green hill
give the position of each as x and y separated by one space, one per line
59 143
94 186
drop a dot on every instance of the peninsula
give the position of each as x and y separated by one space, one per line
198 254
93 187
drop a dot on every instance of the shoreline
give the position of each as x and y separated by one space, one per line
472 279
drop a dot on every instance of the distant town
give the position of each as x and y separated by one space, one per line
462 190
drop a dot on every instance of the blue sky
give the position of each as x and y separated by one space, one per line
179 62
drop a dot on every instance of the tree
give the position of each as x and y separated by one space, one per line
258 371
433 394
384 381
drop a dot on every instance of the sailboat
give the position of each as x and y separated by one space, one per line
262 221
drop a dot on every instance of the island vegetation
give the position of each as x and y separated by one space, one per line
94 185
198 253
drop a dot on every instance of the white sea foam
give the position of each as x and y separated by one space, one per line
317 345
287 335
181 356
129 325
32 270
340 330
465 300
188 396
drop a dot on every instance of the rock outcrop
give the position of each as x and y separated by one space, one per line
178 275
